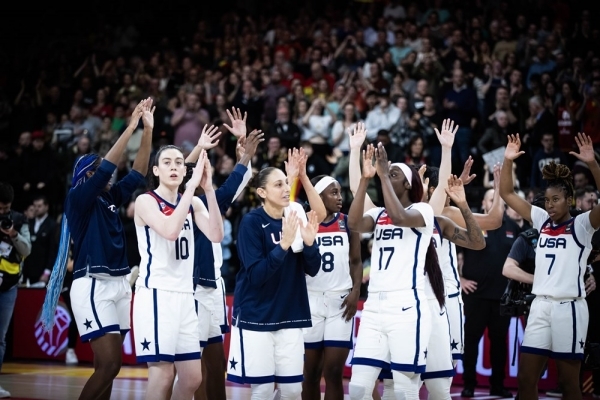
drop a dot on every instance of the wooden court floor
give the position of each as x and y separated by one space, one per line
54 381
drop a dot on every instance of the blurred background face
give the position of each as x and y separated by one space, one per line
502 119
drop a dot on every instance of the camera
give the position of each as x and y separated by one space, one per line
516 300
6 221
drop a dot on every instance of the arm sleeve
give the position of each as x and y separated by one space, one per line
227 191
584 229
84 195
518 251
121 191
312 259
22 242
251 251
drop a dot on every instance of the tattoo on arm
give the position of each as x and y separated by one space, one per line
458 235
474 234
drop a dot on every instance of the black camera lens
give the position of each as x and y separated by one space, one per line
5 223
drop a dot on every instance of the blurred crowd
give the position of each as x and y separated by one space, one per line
305 74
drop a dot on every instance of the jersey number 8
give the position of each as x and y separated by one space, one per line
327 262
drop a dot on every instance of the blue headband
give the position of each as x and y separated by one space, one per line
83 164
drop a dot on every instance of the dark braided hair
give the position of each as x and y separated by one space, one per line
559 176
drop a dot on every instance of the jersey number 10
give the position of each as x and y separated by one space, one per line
182 249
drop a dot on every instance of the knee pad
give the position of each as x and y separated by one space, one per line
388 390
439 388
264 391
290 391
406 385
356 391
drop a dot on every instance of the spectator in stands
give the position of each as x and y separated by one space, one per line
460 105
383 116
43 233
544 156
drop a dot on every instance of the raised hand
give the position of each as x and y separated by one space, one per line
586 148
137 113
497 173
456 190
357 135
289 227
302 159
292 165
446 136
512 148
206 179
148 113
198 171
309 230
464 176
209 137
368 170
381 161
424 181
250 144
238 124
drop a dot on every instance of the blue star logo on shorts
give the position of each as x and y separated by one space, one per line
425 352
88 324
581 343
145 344
232 363
454 344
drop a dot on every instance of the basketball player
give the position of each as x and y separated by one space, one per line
333 296
164 309
440 202
210 287
439 364
558 319
271 302
100 293
395 326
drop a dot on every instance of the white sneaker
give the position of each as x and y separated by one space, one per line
276 394
71 357
4 393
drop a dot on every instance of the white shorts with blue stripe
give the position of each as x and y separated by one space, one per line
556 328
264 357
394 332
101 306
456 318
329 328
165 326
439 355
212 313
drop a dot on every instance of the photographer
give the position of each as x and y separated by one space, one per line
15 245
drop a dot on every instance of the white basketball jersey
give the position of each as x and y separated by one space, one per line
441 247
446 252
398 254
166 264
333 239
561 255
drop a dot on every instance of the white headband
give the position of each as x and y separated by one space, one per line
323 183
406 169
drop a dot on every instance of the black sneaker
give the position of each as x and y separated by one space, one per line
554 392
467 392
501 392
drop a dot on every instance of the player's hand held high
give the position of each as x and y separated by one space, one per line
198 173
512 148
368 170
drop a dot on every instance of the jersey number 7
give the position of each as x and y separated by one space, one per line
382 250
